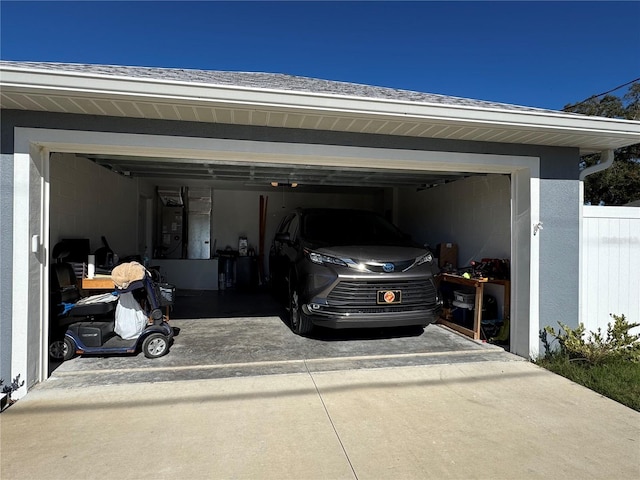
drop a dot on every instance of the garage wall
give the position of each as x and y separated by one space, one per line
235 212
88 201
474 212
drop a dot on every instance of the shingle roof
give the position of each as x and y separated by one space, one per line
271 81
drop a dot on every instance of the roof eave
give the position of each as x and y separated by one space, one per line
62 83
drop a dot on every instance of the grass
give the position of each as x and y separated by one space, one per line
616 379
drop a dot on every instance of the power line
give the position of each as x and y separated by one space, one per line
600 94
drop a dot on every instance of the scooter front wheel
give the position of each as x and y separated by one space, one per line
64 349
155 345
69 348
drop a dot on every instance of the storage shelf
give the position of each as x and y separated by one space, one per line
478 284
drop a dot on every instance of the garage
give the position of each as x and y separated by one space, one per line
90 153
234 204
232 213
235 207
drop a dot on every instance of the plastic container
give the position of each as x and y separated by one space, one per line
468 306
464 297
463 317
227 266
166 294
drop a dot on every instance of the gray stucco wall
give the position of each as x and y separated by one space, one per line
559 252
6 259
559 194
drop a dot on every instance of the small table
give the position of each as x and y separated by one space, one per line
478 284
99 282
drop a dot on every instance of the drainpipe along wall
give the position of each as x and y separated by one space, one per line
605 162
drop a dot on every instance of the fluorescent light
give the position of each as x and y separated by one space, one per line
284 184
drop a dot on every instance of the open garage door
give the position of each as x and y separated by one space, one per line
468 209
386 180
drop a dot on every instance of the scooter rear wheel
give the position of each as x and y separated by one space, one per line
155 345
56 350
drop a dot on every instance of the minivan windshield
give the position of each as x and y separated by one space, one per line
350 227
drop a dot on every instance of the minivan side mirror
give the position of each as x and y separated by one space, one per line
283 237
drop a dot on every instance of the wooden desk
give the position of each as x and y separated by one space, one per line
99 282
478 284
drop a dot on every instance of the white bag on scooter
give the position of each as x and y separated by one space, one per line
130 318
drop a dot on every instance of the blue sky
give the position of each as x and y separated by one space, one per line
544 54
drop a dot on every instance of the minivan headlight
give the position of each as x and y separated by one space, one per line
426 258
321 259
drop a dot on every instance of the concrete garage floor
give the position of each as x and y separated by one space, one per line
240 397
231 334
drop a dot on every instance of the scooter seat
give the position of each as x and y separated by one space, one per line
92 309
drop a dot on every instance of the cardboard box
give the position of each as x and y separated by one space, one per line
447 255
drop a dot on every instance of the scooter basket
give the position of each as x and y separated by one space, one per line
166 293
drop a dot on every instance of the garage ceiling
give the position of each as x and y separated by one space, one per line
263 175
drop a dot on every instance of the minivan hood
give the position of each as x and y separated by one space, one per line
374 253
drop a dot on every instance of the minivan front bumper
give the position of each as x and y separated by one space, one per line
339 320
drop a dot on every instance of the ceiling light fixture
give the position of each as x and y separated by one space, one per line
284 184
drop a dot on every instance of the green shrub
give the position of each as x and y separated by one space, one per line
618 344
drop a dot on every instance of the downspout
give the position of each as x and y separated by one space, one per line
605 162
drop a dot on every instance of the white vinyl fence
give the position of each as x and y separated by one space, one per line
610 265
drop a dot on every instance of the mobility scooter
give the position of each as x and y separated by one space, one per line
125 321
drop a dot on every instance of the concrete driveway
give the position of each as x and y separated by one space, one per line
243 398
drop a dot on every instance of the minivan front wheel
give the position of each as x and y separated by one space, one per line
299 321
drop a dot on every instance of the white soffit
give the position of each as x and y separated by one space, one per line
118 96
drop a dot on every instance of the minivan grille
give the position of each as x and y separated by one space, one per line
397 266
363 294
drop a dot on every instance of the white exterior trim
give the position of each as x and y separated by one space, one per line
534 233
207 150
43 366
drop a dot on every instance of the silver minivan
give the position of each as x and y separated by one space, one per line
343 268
